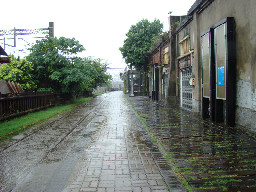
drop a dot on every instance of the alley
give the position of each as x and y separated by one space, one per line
101 146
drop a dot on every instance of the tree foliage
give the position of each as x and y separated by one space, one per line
138 42
50 55
18 71
56 66
96 69
81 75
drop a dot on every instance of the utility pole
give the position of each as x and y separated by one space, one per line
14 33
51 29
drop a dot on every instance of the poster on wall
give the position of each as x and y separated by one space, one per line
206 65
221 75
220 54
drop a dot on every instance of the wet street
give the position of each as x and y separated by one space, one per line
120 143
205 156
99 146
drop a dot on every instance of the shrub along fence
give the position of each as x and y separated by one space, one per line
20 104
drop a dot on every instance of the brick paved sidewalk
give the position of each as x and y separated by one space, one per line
206 156
119 159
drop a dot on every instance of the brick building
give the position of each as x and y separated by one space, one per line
159 62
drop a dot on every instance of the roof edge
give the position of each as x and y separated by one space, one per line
2 51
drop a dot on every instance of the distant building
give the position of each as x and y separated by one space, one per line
116 82
133 82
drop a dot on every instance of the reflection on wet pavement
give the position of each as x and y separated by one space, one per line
120 158
35 155
100 146
209 157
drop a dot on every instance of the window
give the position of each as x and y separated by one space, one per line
184 45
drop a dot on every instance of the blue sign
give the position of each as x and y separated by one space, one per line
221 75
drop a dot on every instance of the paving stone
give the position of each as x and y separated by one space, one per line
146 189
120 189
199 147
88 189
110 152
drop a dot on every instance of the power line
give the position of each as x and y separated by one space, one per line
21 39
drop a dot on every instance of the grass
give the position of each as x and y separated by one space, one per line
83 99
19 124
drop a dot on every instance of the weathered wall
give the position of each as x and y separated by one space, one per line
191 29
196 69
172 69
164 76
201 20
156 58
244 14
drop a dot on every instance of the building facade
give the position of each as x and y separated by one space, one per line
116 81
212 66
159 61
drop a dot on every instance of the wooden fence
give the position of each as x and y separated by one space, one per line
24 103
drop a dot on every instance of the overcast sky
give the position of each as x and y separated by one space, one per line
99 25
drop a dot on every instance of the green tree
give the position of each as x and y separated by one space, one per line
53 59
50 55
19 71
69 80
56 66
96 69
138 42
81 75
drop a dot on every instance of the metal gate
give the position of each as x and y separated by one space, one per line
186 91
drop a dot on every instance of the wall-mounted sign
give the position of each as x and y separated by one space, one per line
220 42
206 65
221 75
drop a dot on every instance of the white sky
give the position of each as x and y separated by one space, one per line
99 25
